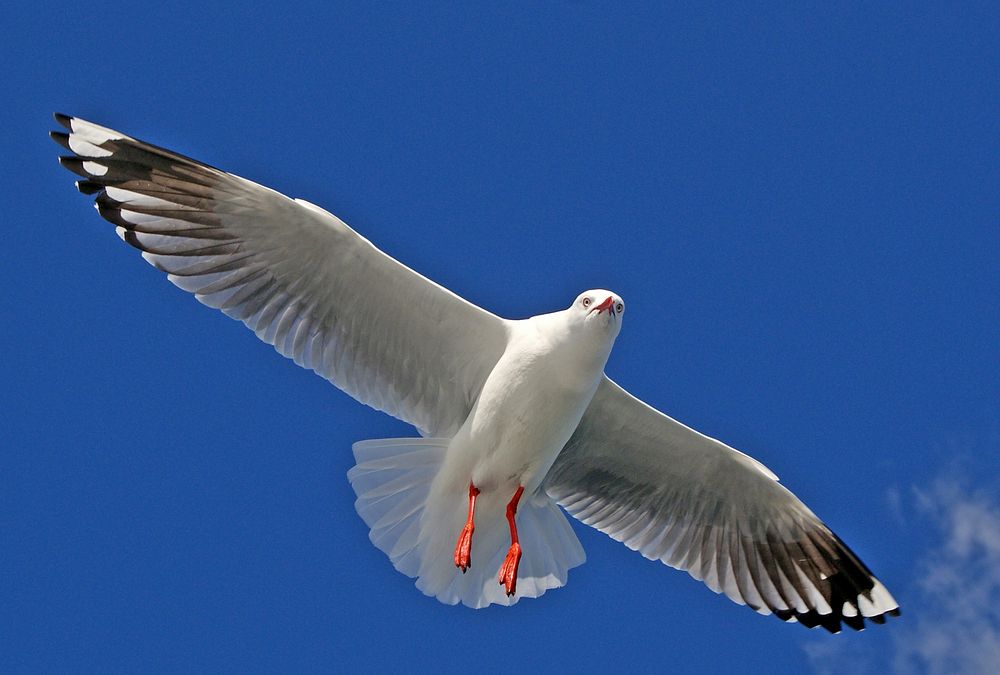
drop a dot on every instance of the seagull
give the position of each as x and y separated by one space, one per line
517 420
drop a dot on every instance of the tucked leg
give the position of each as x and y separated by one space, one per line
463 549
508 571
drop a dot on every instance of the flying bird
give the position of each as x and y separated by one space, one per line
516 417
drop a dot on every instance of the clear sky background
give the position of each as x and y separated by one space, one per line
800 205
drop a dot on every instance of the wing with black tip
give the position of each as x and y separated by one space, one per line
696 504
296 275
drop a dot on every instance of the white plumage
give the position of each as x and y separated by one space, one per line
503 406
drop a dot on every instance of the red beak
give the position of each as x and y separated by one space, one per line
606 305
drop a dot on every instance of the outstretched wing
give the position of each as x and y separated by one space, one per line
698 505
294 274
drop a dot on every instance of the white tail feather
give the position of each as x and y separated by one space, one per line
418 530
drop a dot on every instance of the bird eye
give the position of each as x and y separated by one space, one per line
586 302
619 307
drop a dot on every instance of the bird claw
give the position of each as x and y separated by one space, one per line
508 571
463 548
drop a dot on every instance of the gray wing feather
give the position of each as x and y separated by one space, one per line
680 497
296 275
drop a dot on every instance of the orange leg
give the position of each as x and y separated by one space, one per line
463 549
508 571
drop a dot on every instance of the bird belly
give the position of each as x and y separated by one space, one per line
521 422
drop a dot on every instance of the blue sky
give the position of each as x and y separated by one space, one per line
800 206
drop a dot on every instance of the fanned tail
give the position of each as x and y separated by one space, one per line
392 478
418 530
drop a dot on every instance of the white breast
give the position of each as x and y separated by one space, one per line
529 406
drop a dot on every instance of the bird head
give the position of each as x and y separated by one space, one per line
599 309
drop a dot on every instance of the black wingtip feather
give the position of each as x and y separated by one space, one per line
812 619
809 619
831 622
110 210
856 622
784 614
64 120
88 187
74 164
60 138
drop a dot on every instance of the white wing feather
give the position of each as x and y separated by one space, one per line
698 505
296 275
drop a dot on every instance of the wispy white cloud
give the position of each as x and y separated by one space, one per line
958 628
952 620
